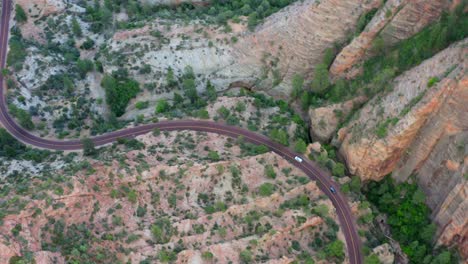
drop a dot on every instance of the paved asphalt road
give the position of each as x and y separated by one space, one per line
311 169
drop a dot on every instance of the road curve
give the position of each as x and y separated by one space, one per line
308 167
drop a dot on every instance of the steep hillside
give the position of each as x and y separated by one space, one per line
419 127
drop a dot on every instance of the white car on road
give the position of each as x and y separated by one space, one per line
298 159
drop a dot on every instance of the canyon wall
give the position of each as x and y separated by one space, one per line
420 128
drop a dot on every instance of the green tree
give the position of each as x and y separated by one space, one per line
88 146
252 21
170 78
162 106
328 57
76 28
321 80
300 146
21 16
132 196
297 86
211 92
84 66
88 44
355 184
443 258
190 89
119 91
279 136
338 169
335 249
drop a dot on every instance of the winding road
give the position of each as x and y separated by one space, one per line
308 167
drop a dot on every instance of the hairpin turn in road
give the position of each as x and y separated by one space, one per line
325 183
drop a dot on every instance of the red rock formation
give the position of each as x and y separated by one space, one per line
395 21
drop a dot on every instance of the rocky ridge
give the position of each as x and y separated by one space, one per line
395 21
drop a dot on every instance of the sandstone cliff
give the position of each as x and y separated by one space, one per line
420 128
395 21
294 41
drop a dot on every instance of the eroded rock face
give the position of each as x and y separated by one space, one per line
421 130
395 21
324 121
294 40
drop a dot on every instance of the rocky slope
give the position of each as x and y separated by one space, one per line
292 41
395 21
168 202
414 130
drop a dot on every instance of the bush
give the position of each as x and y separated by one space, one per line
162 230
321 80
88 44
270 172
432 81
207 255
24 118
246 256
213 156
203 114
364 19
266 189
141 105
